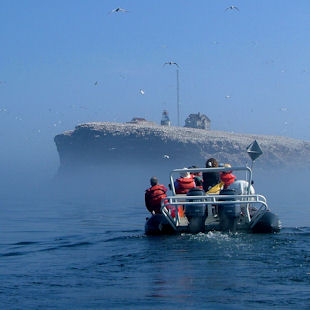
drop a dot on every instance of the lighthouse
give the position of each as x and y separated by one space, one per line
165 121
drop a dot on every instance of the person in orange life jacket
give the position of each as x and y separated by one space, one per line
227 177
154 196
195 174
184 183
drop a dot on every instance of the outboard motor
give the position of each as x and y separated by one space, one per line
196 214
229 214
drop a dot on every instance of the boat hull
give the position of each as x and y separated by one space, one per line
268 223
158 225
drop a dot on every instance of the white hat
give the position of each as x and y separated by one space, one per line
185 174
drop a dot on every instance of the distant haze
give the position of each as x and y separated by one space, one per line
68 62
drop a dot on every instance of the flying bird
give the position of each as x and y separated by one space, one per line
171 63
227 97
166 156
118 10
141 91
232 7
96 83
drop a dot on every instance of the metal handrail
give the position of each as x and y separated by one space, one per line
217 199
213 200
257 215
218 169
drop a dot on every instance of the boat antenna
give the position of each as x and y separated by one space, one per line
254 151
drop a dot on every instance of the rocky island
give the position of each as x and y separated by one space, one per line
106 144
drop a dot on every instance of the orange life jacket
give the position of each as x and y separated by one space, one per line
154 196
183 185
227 179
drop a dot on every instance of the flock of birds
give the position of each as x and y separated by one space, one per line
142 91
121 10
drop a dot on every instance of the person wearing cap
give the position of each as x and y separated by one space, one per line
195 174
154 196
210 179
227 177
198 182
184 183
197 188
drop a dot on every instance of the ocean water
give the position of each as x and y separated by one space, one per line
75 249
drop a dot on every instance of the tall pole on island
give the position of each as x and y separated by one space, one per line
178 97
178 88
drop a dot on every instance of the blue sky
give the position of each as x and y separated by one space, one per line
247 70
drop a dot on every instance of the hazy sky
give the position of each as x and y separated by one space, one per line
247 70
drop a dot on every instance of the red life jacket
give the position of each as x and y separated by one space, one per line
227 179
184 185
154 196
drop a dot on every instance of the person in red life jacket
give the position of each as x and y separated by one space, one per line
195 174
227 177
184 183
154 196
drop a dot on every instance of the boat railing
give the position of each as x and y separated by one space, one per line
246 169
213 200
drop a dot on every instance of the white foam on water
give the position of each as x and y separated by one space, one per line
216 236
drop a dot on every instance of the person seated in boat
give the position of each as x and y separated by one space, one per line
198 189
195 174
227 178
184 183
154 196
210 179
198 182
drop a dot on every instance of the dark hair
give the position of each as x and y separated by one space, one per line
211 163
154 181
198 174
198 181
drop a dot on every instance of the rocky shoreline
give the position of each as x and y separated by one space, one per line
100 144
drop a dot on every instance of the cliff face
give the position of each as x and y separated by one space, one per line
100 144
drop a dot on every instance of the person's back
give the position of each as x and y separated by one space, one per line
210 179
154 196
184 183
227 177
195 174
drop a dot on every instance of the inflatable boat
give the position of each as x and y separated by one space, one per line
227 211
